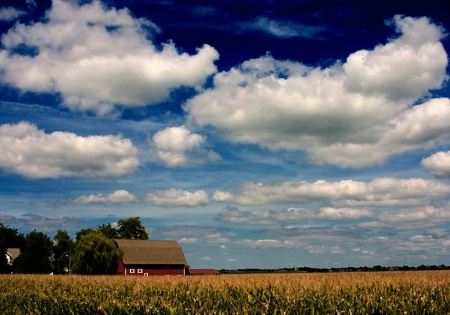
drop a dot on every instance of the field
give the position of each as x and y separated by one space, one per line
414 292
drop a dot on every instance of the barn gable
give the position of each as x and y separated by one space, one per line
151 257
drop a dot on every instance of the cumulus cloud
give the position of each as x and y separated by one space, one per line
291 215
352 114
10 14
404 68
264 244
116 196
32 153
370 222
337 250
178 197
177 146
412 129
437 233
97 57
323 233
188 240
425 216
195 234
438 164
379 192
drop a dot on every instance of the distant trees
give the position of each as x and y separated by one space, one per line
62 249
108 230
132 229
35 255
92 252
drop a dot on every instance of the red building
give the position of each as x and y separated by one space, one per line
148 258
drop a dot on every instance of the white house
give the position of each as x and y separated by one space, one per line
11 254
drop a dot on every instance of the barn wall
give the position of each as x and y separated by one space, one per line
120 267
154 270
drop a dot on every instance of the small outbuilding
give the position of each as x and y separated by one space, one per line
151 258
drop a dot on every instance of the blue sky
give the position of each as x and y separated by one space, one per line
260 134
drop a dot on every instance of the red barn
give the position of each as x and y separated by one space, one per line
149 258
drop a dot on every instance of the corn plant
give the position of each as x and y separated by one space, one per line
415 292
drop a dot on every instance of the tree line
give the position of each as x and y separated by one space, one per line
92 252
306 269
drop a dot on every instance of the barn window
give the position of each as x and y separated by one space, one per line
131 270
140 271
146 274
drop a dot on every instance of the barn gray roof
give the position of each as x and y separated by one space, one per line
150 252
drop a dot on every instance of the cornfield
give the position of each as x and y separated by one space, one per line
414 292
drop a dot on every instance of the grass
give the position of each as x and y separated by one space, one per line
414 292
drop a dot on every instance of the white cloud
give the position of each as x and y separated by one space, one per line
188 240
195 234
438 164
405 68
178 197
246 217
218 238
336 250
116 196
406 219
222 196
266 243
44 223
283 29
32 153
437 233
423 215
292 215
353 114
343 213
10 14
175 146
189 230
378 192
98 57
422 127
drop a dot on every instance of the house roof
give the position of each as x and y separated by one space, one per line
150 252
13 252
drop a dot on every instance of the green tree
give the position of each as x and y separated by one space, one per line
4 268
62 249
95 254
83 232
132 228
35 256
108 230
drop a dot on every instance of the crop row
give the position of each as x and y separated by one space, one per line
332 293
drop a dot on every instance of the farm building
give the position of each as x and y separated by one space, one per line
11 254
149 257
